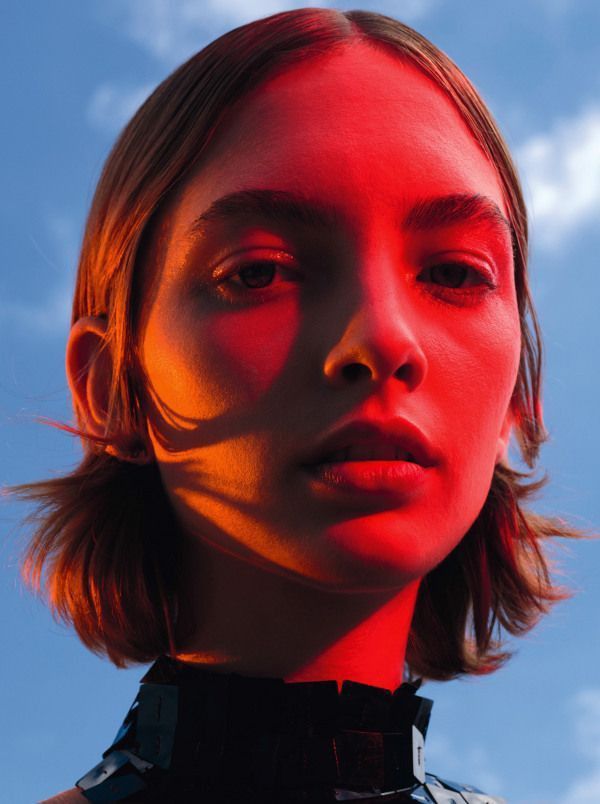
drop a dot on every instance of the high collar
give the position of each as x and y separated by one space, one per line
252 704
202 731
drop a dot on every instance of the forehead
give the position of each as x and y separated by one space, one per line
359 127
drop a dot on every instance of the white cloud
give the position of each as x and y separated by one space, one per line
64 237
172 30
112 106
556 10
586 717
50 316
586 711
471 766
585 791
561 177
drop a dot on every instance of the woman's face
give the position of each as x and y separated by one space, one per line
262 333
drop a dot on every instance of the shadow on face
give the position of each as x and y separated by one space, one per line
340 254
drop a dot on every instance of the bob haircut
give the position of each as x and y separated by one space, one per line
106 546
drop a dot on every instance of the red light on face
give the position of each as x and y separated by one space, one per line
342 251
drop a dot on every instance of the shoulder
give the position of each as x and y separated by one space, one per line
441 790
72 796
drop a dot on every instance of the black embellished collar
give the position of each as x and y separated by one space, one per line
196 735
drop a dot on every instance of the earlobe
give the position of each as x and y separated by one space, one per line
89 370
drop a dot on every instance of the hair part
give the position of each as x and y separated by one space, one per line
97 526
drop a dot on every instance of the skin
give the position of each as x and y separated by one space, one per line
285 582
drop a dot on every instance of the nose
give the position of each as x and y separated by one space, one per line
379 341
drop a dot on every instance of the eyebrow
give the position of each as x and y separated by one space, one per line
285 207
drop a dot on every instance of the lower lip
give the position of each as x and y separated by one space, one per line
390 479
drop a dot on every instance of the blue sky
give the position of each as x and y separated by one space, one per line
72 74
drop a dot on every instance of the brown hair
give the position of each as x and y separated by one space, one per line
98 526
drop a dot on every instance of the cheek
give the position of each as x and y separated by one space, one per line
254 348
477 378
498 353
201 367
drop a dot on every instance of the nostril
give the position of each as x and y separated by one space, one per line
404 372
353 371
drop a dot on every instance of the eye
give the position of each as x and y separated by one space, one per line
257 274
457 281
454 275
256 280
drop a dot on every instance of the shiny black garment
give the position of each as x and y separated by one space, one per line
192 735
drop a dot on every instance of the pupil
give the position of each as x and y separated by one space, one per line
258 275
450 274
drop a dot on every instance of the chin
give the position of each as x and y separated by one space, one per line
375 567
391 547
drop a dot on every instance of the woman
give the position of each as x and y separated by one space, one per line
302 337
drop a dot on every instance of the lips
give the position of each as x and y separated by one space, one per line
370 452
394 439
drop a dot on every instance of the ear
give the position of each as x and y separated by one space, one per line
89 370
504 437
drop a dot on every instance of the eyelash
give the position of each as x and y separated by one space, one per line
456 295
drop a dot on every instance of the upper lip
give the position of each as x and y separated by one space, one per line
397 431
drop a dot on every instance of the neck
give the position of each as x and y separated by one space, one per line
257 623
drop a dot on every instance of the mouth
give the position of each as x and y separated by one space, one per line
367 461
366 452
394 439
357 481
